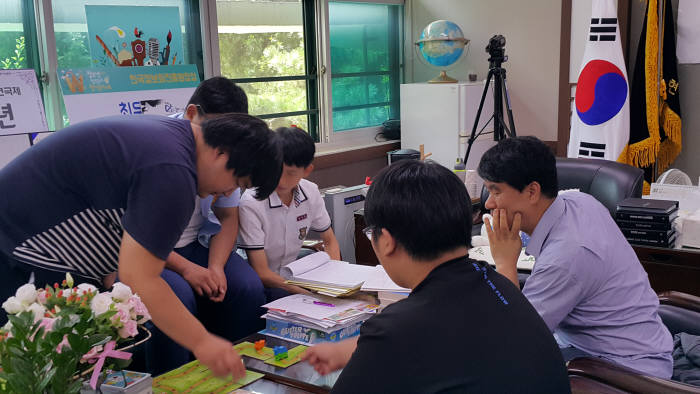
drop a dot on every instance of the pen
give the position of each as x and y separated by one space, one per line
323 303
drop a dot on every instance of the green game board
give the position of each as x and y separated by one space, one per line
248 349
294 357
196 378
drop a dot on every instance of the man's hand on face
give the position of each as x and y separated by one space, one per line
504 240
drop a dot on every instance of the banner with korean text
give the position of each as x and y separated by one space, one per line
90 93
22 117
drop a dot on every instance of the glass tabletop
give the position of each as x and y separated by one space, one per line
300 375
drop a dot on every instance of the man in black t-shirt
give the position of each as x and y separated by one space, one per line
464 327
115 194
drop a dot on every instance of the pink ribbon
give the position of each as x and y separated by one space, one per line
108 352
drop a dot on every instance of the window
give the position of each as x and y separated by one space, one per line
269 48
266 47
364 63
18 47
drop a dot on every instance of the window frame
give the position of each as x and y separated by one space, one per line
318 66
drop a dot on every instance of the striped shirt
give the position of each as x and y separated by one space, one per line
67 201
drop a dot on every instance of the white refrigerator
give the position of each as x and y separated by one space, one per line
441 117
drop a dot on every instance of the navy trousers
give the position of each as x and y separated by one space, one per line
237 316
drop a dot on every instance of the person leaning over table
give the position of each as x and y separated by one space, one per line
464 327
215 285
587 282
90 200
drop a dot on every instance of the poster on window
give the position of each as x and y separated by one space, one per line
90 93
127 36
21 108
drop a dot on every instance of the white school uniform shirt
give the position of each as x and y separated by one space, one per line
281 229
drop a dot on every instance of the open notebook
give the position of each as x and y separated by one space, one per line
332 277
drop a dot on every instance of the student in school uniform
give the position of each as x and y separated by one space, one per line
273 230
215 285
464 328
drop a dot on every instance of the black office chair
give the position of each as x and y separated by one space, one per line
680 312
608 181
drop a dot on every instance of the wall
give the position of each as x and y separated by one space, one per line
689 79
532 31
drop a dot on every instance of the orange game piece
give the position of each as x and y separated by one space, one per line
259 345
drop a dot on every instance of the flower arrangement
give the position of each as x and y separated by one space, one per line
55 334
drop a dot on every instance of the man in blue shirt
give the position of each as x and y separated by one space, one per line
587 283
90 200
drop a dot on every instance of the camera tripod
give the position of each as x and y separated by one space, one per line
500 91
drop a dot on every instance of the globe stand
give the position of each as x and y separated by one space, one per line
443 78
500 92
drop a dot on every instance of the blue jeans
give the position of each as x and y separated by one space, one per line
237 316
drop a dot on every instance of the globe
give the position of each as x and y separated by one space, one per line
441 44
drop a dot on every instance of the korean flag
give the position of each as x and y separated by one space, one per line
600 123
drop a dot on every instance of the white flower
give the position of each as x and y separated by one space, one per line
38 311
86 287
12 306
121 292
26 294
69 280
100 303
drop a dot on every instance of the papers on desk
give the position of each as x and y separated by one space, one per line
483 253
378 280
319 312
336 278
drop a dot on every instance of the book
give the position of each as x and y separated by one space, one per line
319 271
646 217
630 224
655 235
127 382
647 205
651 242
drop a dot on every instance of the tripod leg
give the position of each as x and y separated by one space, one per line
472 137
510 110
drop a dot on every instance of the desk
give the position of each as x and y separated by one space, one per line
671 269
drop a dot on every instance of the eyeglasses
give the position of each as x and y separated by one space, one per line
368 233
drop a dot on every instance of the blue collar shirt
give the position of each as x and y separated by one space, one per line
591 290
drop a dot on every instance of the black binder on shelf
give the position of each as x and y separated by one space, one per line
658 226
645 217
658 243
647 206
651 235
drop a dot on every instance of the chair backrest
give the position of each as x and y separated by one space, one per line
678 319
608 181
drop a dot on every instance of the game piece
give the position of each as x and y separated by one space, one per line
259 345
293 357
280 353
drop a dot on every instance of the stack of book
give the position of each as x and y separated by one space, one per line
648 222
317 272
310 319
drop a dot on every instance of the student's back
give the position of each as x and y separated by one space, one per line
465 328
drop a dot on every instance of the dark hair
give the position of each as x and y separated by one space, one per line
520 161
424 206
252 148
219 95
298 148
